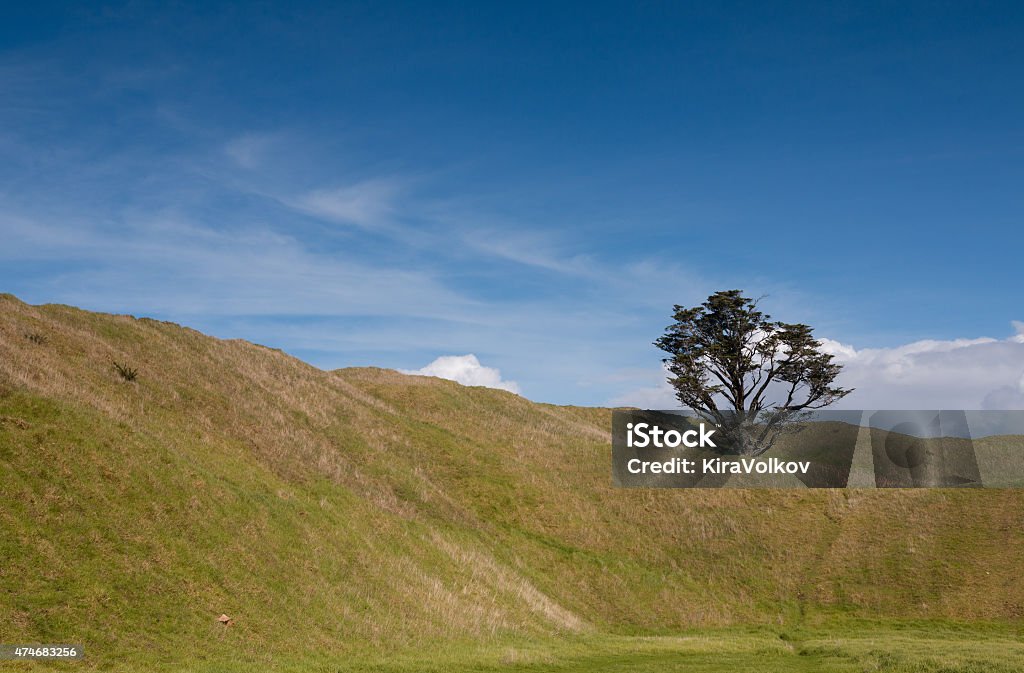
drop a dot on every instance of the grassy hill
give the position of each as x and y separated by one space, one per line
340 517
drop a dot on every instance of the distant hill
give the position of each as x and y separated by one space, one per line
363 508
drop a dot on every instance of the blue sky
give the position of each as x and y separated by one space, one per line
535 184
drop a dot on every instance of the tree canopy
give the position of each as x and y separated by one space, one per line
749 375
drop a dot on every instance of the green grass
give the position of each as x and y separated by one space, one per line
940 648
735 650
365 520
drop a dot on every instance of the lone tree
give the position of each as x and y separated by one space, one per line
746 374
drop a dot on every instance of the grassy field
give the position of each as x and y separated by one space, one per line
906 647
366 520
852 648
898 649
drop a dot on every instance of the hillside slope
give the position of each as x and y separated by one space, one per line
365 508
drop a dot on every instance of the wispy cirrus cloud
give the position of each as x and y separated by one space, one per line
370 204
177 267
529 248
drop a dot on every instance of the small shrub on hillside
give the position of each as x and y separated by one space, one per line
37 338
127 373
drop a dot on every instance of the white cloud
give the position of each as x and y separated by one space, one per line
1006 397
652 397
467 370
982 373
368 204
1019 337
657 395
